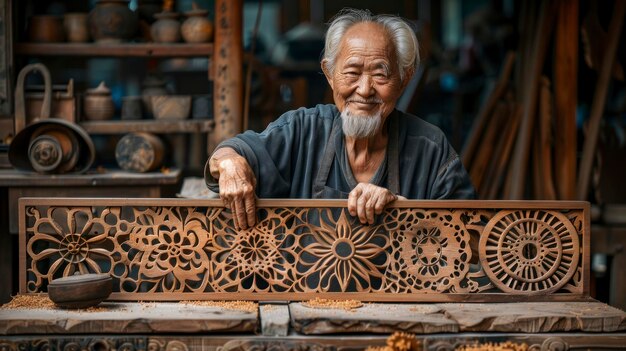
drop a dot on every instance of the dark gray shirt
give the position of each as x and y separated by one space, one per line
286 158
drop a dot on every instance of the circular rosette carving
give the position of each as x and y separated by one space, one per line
530 252
431 248
68 240
257 259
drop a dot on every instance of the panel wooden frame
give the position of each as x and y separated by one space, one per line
174 249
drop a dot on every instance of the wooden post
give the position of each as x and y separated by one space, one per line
228 67
599 98
565 89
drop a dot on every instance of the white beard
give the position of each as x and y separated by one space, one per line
360 127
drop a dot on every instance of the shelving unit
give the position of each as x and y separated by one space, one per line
152 126
223 72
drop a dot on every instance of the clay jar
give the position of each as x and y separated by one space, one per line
152 86
46 29
197 28
98 104
112 21
76 29
166 29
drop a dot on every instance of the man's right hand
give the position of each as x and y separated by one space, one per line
237 185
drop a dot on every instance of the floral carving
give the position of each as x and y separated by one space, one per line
345 256
258 259
171 245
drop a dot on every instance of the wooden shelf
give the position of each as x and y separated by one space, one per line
115 50
149 126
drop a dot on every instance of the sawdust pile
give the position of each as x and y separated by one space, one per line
347 305
245 306
29 301
502 346
43 302
399 342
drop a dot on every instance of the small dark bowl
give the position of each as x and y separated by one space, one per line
80 290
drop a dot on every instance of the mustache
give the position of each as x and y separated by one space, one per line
366 101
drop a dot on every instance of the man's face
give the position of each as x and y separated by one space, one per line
366 81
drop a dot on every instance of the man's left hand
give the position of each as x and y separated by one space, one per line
367 200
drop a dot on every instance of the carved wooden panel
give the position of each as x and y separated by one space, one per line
174 249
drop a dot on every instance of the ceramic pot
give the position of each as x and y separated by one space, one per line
98 104
171 106
197 28
76 28
166 29
80 290
46 29
152 86
112 21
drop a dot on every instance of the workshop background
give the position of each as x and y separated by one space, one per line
530 93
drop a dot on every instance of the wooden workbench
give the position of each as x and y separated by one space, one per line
201 328
450 272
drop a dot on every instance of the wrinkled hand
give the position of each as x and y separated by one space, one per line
366 200
237 184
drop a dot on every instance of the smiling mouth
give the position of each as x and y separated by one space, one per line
364 103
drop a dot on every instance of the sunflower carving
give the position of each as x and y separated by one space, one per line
342 255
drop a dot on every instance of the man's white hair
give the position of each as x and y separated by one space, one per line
400 32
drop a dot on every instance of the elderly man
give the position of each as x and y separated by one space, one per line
361 148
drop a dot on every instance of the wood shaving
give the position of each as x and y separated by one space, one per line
503 346
30 302
399 341
245 306
348 305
